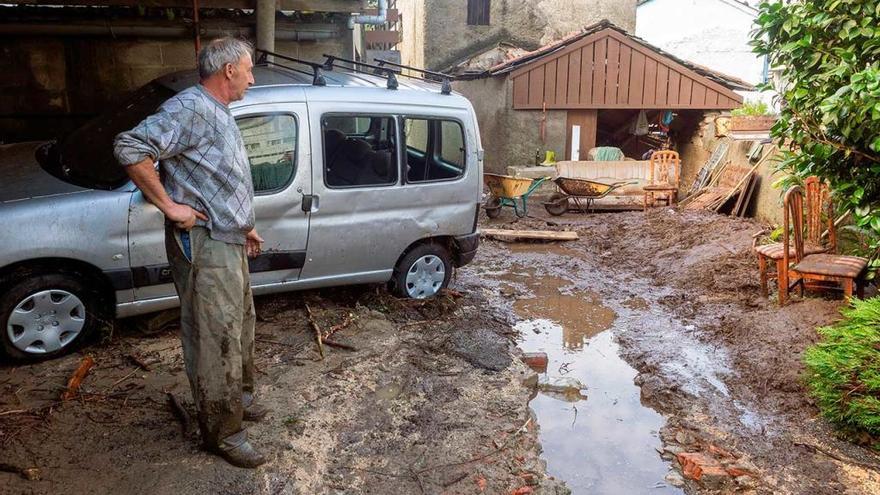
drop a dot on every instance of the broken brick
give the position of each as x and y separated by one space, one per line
536 361
697 466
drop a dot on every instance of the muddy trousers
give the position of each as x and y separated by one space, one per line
217 329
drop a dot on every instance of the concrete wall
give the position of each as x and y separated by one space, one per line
510 137
52 85
436 33
766 201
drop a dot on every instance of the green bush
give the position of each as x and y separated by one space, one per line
843 371
752 108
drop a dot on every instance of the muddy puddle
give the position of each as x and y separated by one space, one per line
595 433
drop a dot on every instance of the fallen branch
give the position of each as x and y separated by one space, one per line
335 328
77 378
340 345
180 413
140 362
126 377
317 330
503 446
820 450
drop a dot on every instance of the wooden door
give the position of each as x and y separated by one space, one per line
587 121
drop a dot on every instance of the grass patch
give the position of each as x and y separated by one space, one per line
843 371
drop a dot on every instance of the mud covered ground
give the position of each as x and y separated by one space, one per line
429 401
431 398
720 361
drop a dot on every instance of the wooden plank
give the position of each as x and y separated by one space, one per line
521 91
623 74
650 84
684 92
562 80
550 82
711 98
673 65
698 98
383 37
574 78
674 85
636 79
513 235
536 87
662 96
599 60
587 60
392 16
612 70
588 122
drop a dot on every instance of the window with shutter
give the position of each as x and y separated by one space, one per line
478 12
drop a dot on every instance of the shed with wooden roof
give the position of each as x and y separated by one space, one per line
596 81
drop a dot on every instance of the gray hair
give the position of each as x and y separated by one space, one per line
214 56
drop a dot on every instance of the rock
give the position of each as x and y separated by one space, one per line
684 438
482 348
31 474
563 388
746 481
674 478
536 361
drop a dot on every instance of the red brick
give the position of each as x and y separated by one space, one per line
536 361
696 465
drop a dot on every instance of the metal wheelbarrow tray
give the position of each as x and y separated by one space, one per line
506 190
582 191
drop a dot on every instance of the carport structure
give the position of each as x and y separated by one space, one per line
605 69
67 60
598 80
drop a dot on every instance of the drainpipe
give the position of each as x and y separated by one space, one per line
266 26
372 20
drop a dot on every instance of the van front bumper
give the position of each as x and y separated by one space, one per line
466 248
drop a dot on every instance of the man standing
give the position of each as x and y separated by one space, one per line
206 193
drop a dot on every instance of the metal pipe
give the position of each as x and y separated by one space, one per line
372 20
266 25
176 31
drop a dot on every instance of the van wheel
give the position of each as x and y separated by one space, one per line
46 316
423 272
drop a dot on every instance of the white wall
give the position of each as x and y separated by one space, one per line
712 33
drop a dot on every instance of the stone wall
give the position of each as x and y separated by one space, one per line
51 85
436 34
510 137
766 201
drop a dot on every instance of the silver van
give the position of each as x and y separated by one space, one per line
355 183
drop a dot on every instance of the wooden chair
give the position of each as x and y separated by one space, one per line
817 195
665 184
844 270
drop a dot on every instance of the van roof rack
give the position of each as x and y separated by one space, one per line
444 79
317 77
390 74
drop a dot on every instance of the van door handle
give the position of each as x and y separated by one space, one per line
310 202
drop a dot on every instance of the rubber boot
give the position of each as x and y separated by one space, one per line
252 410
236 450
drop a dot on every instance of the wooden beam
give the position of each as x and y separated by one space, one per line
346 6
543 235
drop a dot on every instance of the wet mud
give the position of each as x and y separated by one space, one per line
662 356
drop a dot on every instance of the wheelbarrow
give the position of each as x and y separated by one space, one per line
582 191
509 191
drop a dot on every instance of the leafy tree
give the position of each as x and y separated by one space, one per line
828 55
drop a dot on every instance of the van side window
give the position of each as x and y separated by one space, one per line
434 149
270 142
359 150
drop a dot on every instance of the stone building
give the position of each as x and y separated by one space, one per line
437 34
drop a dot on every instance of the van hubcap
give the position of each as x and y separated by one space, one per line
425 277
46 321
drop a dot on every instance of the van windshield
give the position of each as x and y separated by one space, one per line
85 156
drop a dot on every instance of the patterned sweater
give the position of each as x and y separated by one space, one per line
202 160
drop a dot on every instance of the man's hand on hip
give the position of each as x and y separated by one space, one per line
253 243
183 216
